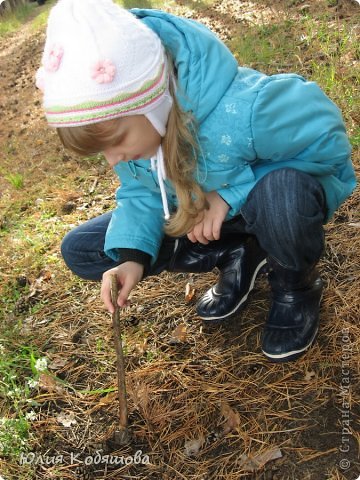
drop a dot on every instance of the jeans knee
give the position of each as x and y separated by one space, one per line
291 191
285 211
283 178
66 247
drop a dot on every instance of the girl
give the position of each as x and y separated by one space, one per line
220 166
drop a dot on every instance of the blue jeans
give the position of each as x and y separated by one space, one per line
285 211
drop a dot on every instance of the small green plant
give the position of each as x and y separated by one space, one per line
16 367
355 138
150 356
10 294
16 180
14 436
99 345
20 368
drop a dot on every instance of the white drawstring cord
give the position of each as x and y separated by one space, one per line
157 163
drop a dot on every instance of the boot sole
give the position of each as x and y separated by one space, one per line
293 355
215 320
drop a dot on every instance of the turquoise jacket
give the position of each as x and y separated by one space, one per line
249 125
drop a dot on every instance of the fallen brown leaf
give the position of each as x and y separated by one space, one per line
179 335
49 384
57 363
192 447
232 418
66 419
309 375
141 347
257 462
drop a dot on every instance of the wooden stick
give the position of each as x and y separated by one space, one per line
120 366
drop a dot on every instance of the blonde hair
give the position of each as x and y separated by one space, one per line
180 149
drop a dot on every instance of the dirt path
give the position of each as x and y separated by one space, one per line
21 123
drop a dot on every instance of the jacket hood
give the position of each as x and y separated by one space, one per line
205 66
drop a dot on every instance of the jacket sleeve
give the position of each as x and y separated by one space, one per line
137 221
235 196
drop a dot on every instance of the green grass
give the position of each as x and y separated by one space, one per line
355 138
16 180
139 4
263 46
40 20
12 21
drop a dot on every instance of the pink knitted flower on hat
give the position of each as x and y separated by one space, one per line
103 71
53 60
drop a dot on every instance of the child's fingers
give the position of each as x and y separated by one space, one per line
105 293
128 275
198 232
191 236
208 230
201 238
124 293
216 229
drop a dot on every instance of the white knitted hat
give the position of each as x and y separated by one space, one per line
100 62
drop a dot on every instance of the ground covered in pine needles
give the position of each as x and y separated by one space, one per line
203 405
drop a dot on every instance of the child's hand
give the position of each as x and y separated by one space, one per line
128 275
208 228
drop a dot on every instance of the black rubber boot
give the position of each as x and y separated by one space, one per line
239 258
181 255
239 262
198 258
293 319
